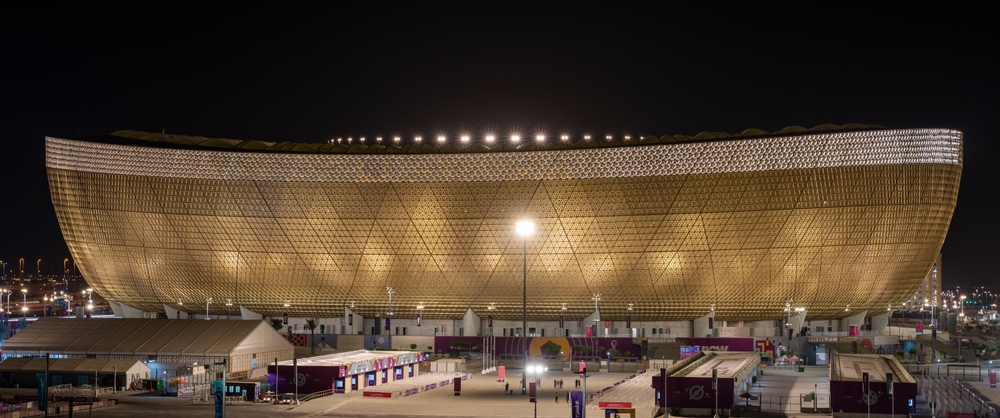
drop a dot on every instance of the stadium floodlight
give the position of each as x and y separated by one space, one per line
515 138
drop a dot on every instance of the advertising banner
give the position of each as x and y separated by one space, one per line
418 319
561 322
993 378
920 327
350 319
603 405
721 344
853 331
285 320
628 321
378 395
489 321
688 351
387 323
576 404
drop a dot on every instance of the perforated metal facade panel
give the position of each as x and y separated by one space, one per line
827 219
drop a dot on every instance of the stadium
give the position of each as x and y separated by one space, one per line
663 228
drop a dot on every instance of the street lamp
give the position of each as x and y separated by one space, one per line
24 304
788 319
524 229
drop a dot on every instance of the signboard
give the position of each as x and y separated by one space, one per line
560 322
43 397
607 324
576 404
920 327
628 322
489 321
721 344
688 351
864 383
993 378
603 405
350 319
378 395
219 389
419 317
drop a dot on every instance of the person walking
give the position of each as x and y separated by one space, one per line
557 396
506 387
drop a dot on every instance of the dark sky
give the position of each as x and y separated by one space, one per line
276 72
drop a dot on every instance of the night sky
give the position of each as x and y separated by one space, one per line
276 72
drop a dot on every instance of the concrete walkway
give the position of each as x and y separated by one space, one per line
481 396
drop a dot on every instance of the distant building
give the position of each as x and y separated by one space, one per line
928 294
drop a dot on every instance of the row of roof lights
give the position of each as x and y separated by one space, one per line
466 138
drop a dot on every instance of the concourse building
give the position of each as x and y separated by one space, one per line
678 235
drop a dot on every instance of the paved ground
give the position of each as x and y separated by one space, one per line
481 396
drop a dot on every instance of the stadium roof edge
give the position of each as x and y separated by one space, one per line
160 140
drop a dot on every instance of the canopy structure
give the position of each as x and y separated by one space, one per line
105 372
161 340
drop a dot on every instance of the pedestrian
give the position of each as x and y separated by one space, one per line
555 383
557 396
567 396
506 387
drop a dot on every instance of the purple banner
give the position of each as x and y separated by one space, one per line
489 321
696 392
720 344
576 404
628 322
285 321
548 347
561 322
387 323
418 320
350 319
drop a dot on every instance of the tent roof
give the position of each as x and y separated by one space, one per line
68 365
143 337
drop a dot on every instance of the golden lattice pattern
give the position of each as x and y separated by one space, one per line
826 219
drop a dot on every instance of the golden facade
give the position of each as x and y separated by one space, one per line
827 219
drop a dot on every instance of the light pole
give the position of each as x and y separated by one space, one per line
524 229
788 319
597 312
208 301
24 304
38 268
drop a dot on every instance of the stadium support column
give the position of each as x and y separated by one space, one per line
352 322
880 322
858 319
471 324
702 326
